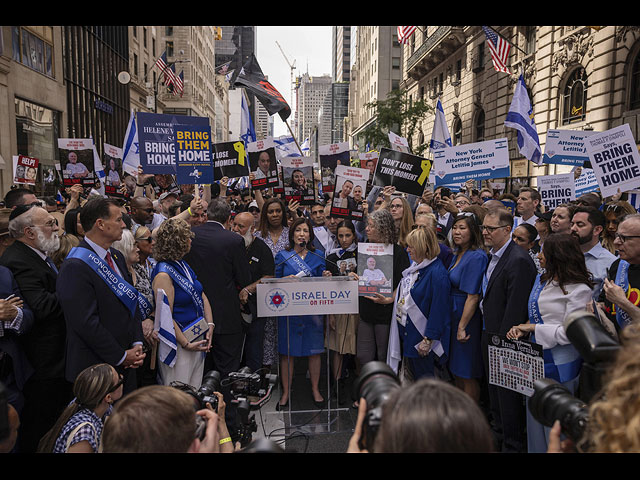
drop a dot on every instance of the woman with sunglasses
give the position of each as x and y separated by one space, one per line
79 427
465 274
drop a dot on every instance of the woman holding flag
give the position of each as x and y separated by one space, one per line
175 284
564 287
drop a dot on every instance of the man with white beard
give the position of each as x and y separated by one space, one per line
46 392
261 265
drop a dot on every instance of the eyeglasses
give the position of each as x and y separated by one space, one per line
117 385
490 228
148 239
624 238
393 207
51 223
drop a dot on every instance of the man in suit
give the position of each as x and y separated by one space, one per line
508 281
104 323
219 258
46 393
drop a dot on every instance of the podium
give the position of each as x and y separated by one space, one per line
289 297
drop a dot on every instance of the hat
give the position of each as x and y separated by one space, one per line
166 194
19 210
253 204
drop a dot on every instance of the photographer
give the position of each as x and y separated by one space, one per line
430 416
161 419
614 413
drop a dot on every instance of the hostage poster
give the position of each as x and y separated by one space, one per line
263 163
112 164
375 269
348 198
229 160
332 156
25 169
76 161
297 175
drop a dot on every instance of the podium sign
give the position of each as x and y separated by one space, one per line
282 297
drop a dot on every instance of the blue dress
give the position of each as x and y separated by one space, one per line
305 334
465 359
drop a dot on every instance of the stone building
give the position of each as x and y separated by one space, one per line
578 78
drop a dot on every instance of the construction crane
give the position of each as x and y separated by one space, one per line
292 66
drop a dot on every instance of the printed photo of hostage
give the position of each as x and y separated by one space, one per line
375 269
76 161
348 198
298 180
262 162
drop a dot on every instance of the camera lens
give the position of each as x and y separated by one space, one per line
551 401
210 383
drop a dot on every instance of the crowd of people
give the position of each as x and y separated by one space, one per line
83 282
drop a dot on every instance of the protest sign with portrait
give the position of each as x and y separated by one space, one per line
297 174
262 162
351 185
375 269
25 169
77 161
330 157
112 164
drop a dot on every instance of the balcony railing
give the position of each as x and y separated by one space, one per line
434 50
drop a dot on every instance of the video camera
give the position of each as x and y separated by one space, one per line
375 384
551 401
204 394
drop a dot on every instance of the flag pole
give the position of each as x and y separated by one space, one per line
293 136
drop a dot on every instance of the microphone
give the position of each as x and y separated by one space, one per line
302 244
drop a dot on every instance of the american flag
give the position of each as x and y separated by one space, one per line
404 33
499 49
169 75
178 87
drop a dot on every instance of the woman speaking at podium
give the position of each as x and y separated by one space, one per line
300 336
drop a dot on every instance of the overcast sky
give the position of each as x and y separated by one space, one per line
308 47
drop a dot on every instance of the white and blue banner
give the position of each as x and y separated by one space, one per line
248 133
194 161
473 161
586 182
615 160
520 117
566 147
280 297
167 346
440 136
286 147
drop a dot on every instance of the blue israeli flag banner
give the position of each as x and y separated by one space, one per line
98 169
167 346
305 146
520 117
248 133
286 146
130 152
440 136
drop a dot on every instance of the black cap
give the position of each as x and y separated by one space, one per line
19 210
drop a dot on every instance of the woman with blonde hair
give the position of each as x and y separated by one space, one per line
420 325
187 301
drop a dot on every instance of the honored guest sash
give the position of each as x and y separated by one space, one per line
622 280
125 292
186 285
300 265
562 362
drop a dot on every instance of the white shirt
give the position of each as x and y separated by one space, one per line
74 168
554 308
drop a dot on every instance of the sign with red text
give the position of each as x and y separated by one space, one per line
375 269
351 187
25 169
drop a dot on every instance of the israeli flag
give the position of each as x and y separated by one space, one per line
440 136
99 169
305 146
167 346
248 133
634 198
286 147
520 117
130 152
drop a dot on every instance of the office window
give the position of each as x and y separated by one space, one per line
575 97
33 48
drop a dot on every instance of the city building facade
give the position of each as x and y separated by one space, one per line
578 78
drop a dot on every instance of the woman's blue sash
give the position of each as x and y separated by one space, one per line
184 284
622 280
562 362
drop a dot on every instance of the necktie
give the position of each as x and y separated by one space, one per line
51 264
109 261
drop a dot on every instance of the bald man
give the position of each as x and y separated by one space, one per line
261 265
142 213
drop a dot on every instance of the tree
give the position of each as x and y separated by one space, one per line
398 114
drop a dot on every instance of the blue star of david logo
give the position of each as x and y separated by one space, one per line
196 330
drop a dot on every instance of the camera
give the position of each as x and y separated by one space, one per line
253 386
375 384
205 394
551 401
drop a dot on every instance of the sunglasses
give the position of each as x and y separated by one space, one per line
117 385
